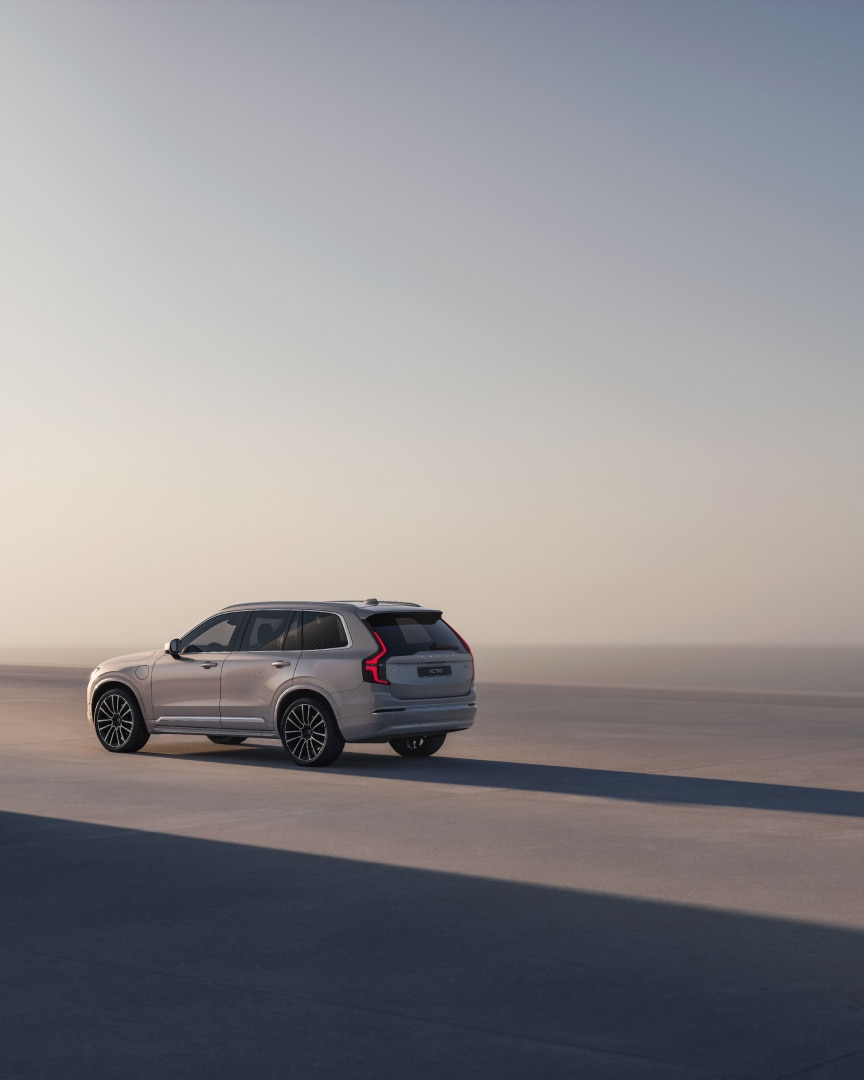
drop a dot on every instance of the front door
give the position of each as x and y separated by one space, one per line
186 688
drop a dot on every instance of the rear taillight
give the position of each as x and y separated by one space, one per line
467 649
374 666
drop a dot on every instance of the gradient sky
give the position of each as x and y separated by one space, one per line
549 314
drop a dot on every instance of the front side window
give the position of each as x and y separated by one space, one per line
270 631
323 630
218 634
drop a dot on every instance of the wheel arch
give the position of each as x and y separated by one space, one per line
295 692
113 682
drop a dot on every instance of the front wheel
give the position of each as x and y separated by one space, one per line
118 722
309 732
418 745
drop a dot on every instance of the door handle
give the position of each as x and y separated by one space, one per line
281 663
209 663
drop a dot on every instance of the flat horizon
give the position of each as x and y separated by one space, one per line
795 669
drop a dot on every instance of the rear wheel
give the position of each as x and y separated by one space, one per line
418 745
227 740
309 732
118 722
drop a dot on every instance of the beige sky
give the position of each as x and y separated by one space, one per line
551 321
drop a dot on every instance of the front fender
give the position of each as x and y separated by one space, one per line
117 678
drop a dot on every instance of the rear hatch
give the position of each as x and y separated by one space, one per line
425 657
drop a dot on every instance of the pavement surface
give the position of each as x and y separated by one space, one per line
593 884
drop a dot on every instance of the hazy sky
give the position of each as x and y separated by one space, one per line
546 313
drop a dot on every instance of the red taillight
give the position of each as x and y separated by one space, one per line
467 648
374 666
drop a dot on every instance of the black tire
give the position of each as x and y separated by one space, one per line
118 722
418 745
309 732
227 740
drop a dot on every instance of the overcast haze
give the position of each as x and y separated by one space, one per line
547 314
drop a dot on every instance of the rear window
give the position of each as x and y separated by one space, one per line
407 634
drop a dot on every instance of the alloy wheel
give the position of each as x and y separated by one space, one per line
304 732
115 721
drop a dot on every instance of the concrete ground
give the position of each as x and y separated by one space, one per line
591 884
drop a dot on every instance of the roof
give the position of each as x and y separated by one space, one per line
362 607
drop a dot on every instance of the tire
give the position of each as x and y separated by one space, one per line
118 722
309 733
418 745
227 740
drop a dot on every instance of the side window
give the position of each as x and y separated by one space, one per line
294 635
268 631
323 630
218 634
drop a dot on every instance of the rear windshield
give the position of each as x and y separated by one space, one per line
407 634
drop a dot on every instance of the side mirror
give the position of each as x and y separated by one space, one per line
173 647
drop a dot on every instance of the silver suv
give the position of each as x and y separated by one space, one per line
316 675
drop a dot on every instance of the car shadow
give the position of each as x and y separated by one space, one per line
639 787
139 954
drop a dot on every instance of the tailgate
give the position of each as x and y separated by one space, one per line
423 656
430 675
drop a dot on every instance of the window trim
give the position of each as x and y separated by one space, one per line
300 612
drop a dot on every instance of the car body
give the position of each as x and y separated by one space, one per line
315 674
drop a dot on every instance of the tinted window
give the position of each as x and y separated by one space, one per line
406 634
323 630
294 636
218 634
271 630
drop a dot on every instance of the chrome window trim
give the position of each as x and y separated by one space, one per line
300 611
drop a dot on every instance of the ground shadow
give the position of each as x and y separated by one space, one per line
564 779
136 954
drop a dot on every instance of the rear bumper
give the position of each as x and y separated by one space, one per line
395 721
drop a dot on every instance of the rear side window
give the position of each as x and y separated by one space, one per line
323 630
407 634
269 631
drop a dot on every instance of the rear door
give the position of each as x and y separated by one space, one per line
328 659
425 658
255 675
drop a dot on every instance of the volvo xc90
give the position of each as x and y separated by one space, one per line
315 675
